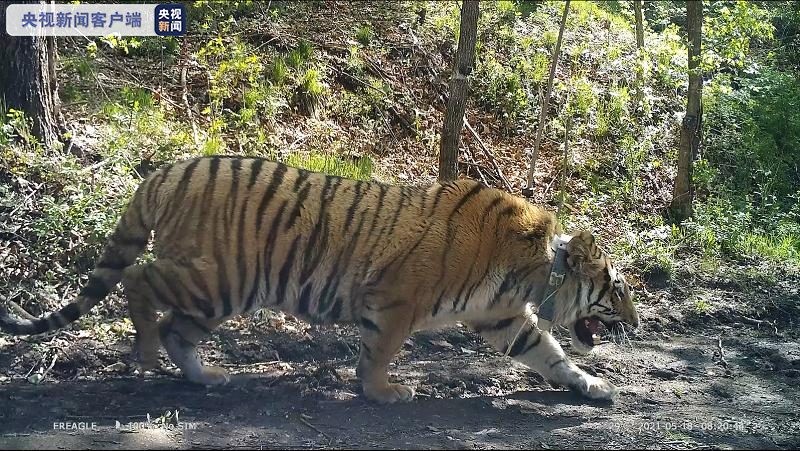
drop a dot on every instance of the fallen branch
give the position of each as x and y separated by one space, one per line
353 79
721 352
21 312
52 364
476 166
32 368
488 154
374 69
304 421
25 201
758 323
549 185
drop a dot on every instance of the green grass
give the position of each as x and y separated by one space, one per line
702 305
305 49
295 59
358 169
279 71
364 34
776 248
311 83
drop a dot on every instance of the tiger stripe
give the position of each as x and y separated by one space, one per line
234 234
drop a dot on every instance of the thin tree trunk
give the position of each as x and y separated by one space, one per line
456 102
28 80
637 10
683 193
528 191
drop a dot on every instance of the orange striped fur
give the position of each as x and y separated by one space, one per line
235 234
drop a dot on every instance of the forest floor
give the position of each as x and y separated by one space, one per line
686 380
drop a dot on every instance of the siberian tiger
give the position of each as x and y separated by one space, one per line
236 234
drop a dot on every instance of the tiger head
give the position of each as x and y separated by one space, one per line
594 294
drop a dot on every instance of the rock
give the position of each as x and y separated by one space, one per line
116 367
442 343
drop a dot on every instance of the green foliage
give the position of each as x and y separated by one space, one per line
612 112
364 34
652 251
702 305
82 205
500 88
279 72
294 60
634 154
584 99
728 31
74 203
305 50
725 228
753 139
359 168
137 98
123 45
526 7
14 126
154 46
136 124
217 15
669 58
311 83
507 10
241 70
354 61
749 117
310 92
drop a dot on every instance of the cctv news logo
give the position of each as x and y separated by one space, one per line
86 19
170 20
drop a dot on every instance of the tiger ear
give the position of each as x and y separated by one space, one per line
583 255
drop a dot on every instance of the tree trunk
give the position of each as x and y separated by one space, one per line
28 80
683 193
528 191
637 12
456 102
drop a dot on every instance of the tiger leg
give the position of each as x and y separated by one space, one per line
381 338
180 335
143 315
520 338
166 285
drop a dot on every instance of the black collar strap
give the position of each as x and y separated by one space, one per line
558 270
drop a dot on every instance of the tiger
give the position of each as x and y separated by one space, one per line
235 234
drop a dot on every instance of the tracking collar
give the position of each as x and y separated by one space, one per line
558 270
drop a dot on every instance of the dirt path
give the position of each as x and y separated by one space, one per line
676 392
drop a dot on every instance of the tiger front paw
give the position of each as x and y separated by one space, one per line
210 375
389 393
596 388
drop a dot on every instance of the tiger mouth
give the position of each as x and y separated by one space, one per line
588 331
